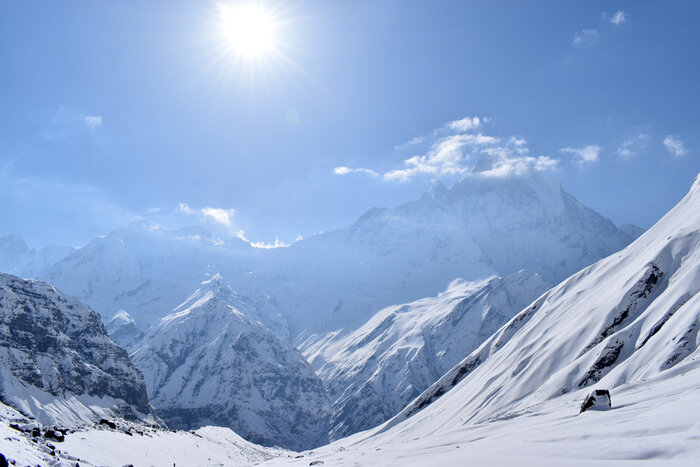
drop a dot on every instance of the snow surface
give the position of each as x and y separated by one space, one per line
99 445
656 421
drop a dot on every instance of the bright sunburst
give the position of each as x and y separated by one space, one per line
248 29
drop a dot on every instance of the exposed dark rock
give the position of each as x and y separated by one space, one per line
111 425
598 399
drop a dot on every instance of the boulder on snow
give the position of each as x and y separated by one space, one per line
598 399
111 425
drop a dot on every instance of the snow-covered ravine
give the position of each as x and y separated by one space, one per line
657 420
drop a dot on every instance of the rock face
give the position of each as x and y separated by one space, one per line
375 371
598 399
52 346
207 363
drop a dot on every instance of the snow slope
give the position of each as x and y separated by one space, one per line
375 371
628 323
57 363
652 423
208 363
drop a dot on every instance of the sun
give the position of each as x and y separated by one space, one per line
248 29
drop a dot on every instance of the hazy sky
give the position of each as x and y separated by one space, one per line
114 110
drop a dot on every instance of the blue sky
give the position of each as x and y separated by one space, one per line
110 111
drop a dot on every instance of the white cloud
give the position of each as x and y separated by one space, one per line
631 146
268 246
451 155
585 38
222 216
182 207
508 166
618 18
585 154
675 146
218 215
342 170
445 157
93 122
465 124
512 159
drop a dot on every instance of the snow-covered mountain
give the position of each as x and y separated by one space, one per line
207 363
632 316
481 227
16 257
374 372
57 363
629 323
144 270
122 328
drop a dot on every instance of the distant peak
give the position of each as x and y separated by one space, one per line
437 190
215 280
122 316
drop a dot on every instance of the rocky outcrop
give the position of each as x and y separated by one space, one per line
54 348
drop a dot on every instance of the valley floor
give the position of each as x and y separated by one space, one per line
657 421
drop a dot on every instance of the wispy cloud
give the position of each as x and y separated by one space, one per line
219 215
675 146
342 170
93 121
265 245
222 216
512 159
618 18
465 124
585 38
584 155
67 123
632 146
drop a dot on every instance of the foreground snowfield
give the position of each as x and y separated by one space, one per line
657 420
102 446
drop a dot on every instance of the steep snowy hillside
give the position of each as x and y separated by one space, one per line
629 323
57 363
208 363
481 227
374 372
17 258
632 316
